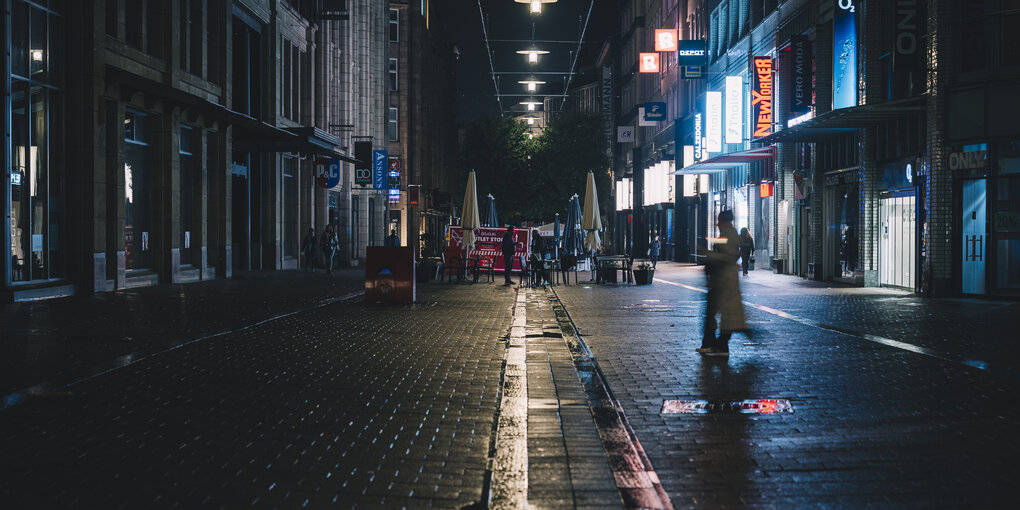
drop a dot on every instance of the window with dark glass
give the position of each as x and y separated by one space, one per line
290 206
187 181
138 221
288 70
245 52
393 75
192 31
391 125
394 25
36 115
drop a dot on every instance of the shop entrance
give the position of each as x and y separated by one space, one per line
975 236
896 241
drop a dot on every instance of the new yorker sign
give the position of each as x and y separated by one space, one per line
761 97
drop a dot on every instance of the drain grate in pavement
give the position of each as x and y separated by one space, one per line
758 406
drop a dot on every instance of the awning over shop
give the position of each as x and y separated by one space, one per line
845 120
724 162
250 134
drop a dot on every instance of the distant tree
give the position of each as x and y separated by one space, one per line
532 179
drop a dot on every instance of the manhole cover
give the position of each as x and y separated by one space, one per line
758 406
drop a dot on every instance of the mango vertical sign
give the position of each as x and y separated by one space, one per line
761 97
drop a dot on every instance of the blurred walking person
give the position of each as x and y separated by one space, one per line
653 251
746 249
723 290
330 245
509 249
308 245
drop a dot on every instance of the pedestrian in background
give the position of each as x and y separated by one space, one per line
723 290
653 251
330 245
392 239
746 249
509 249
308 245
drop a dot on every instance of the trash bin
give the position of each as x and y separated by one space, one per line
389 274
777 266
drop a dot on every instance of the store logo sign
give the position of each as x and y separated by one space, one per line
691 53
665 39
761 96
698 146
649 63
968 160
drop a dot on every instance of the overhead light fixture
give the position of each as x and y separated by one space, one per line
532 54
531 104
536 5
37 55
530 120
532 83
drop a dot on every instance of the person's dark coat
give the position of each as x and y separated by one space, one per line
721 269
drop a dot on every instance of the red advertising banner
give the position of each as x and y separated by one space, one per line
489 245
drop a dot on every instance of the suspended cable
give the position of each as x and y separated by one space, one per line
492 66
576 55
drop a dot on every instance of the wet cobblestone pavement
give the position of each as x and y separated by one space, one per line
310 398
872 425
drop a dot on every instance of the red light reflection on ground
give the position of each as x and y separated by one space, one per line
757 406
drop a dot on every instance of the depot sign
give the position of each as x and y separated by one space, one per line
761 96
691 53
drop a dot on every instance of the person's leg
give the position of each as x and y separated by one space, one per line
708 333
721 346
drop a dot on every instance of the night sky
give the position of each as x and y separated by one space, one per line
511 21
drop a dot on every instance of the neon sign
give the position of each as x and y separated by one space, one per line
665 39
649 63
761 96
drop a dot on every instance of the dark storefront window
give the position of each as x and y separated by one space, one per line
290 206
138 235
36 125
187 174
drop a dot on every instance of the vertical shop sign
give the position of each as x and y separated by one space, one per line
800 75
734 109
698 141
761 97
363 168
908 27
713 121
844 54
379 164
607 109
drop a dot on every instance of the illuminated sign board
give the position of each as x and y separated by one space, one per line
413 195
761 97
734 109
844 54
691 53
649 63
363 169
698 148
713 121
800 75
379 165
688 155
665 40
765 189
655 111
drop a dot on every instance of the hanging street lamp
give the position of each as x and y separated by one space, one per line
536 5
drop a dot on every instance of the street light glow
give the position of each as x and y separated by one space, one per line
536 5
532 54
532 84
531 104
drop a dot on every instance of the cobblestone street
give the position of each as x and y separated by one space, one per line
295 393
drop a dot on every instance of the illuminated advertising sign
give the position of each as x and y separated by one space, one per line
665 40
655 111
800 75
713 121
691 53
363 168
761 97
765 189
649 63
734 109
688 155
844 54
698 148
379 164
908 59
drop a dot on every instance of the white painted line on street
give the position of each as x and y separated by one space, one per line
980 365
510 465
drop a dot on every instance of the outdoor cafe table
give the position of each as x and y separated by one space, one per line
614 262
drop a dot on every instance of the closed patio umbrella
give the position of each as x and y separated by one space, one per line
491 219
572 242
469 215
591 222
